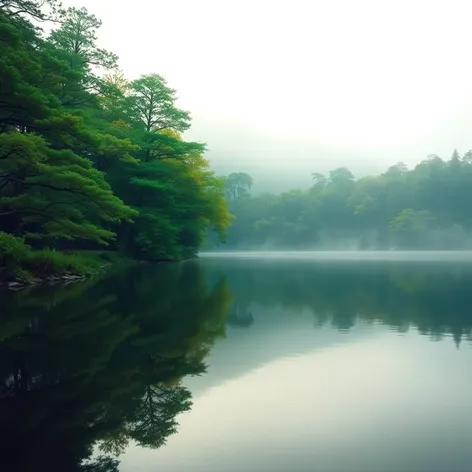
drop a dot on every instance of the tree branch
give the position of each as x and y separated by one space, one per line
58 189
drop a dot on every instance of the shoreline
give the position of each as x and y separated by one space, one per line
50 280
70 277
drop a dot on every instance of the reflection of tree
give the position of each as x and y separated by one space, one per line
435 298
240 315
100 464
102 364
154 419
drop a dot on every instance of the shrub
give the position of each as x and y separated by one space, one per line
19 262
21 275
50 262
12 250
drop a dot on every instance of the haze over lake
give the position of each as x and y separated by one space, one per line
393 255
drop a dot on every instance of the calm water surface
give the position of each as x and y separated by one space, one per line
272 362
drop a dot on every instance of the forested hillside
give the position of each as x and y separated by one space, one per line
427 207
89 158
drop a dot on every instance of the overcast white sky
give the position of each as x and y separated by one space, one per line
306 85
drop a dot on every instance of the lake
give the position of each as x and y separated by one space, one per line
243 362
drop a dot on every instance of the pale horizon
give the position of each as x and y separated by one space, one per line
282 88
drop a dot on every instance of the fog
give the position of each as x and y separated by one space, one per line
282 162
347 255
441 240
281 89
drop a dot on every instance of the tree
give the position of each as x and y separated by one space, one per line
152 104
170 183
238 185
397 170
319 180
341 176
178 199
467 157
31 8
376 212
115 86
78 35
47 189
89 158
455 156
52 194
408 226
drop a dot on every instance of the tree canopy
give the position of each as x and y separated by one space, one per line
425 207
89 158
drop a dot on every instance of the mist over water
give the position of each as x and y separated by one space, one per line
348 255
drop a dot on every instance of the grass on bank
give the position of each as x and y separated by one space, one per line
21 263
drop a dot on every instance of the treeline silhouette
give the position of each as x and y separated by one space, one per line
425 207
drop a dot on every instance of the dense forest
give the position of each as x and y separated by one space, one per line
92 160
426 207
88 158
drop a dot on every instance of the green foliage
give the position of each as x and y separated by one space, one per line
19 262
54 192
31 8
152 103
237 185
12 250
78 35
422 208
51 262
21 275
83 156
177 200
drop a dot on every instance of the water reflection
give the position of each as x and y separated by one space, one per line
102 362
433 297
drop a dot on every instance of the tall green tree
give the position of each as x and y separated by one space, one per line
78 36
237 185
48 187
84 152
152 103
31 8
